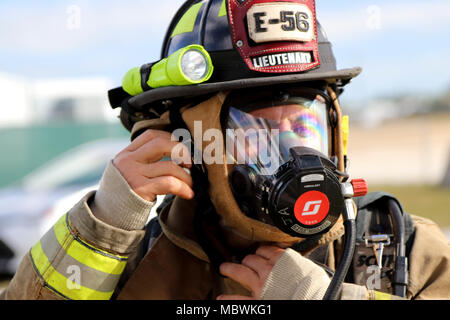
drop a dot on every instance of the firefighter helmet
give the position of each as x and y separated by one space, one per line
250 43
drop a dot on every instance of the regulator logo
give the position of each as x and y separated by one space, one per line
316 207
311 208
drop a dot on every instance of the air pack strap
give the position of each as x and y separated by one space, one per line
365 211
380 262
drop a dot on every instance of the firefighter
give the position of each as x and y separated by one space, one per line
259 202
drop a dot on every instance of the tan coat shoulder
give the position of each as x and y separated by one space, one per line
429 262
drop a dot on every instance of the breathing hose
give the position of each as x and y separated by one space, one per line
401 265
347 256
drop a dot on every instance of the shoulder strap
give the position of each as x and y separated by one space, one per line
378 200
380 220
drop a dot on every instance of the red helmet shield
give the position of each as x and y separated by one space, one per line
275 36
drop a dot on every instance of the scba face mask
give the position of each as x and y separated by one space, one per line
279 143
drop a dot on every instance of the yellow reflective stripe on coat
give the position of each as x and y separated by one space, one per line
102 261
60 283
377 295
73 268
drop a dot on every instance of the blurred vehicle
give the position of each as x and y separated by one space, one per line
29 208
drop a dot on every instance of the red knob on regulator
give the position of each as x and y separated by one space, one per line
359 187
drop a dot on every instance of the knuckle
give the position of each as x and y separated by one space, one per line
153 136
149 133
159 143
121 160
142 191
172 183
247 260
137 185
157 140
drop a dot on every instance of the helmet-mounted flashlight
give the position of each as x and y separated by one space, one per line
187 66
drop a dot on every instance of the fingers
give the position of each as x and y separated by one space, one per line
271 253
254 270
255 262
150 188
141 167
153 145
155 149
147 136
247 277
170 184
261 266
166 168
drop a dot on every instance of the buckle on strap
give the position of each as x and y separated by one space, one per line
377 242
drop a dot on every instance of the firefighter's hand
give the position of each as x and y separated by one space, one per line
253 272
277 274
148 177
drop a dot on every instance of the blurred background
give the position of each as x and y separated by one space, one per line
59 58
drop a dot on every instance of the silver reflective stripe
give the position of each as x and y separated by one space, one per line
64 263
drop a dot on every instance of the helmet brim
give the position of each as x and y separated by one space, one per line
344 76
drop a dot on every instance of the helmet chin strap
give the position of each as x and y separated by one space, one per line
339 141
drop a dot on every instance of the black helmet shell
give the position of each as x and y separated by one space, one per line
208 23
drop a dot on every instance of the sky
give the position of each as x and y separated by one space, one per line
402 46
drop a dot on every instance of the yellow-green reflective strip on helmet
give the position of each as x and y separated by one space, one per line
131 82
73 268
223 9
187 22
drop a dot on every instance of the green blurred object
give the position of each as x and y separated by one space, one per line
432 202
24 149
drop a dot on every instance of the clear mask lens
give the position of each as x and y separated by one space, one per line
263 134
